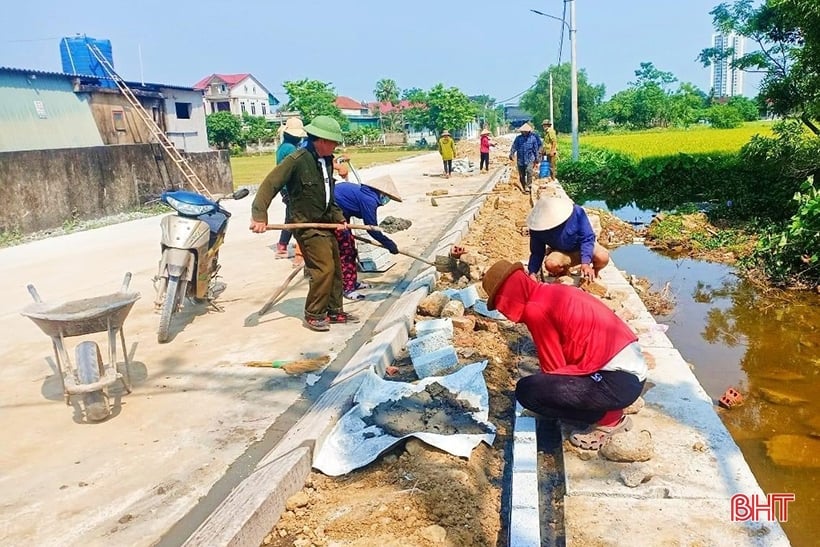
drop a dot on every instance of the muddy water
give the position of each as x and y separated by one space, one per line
736 336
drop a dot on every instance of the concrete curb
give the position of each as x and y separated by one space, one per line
251 510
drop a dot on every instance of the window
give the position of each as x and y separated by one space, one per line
264 110
254 90
183 111
222 88
41 110
253 109
242 106
118 116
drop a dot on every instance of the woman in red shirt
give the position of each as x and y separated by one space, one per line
484 149
591 364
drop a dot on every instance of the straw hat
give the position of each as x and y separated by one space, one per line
445 133
295 127
524 128
485 131
386 186
549 212
495 278
546 122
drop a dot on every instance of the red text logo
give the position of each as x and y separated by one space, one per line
761 508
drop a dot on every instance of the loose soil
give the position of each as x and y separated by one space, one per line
414 494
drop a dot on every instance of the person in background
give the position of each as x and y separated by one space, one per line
484 149
447 149
308 176
592 366
526 148
564 227
361 201
292 134
550 148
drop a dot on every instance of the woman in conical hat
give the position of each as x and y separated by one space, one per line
484 150
362 201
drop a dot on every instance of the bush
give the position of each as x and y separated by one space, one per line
724 116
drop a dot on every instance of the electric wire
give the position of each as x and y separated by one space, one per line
563 26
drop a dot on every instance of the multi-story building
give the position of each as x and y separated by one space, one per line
238 94
727 81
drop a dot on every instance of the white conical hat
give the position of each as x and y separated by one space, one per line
386 186
549 212
294 126
525 127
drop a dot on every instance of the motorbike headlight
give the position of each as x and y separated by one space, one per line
189 209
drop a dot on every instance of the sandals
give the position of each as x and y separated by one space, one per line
354 295
362 285
596 436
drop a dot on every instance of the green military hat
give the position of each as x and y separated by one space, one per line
325 127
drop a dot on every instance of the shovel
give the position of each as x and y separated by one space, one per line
434 200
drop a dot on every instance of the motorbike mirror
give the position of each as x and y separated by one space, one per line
239 194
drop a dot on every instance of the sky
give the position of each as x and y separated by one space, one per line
480 46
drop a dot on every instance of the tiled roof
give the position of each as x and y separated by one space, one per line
346 103
88 79
230 79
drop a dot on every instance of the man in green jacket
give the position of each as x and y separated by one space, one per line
307 174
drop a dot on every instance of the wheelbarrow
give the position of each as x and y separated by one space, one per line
88 375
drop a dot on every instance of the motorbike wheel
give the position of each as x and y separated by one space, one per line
90 369
174 292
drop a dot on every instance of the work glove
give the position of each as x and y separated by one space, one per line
392 247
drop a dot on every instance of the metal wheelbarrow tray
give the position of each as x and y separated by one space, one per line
62 320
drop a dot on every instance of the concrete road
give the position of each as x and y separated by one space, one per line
195 408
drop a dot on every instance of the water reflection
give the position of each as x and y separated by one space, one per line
768 345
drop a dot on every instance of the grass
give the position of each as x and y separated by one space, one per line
252 169
667 142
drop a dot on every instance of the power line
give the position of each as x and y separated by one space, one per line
563 25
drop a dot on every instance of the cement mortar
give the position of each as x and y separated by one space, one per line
434 410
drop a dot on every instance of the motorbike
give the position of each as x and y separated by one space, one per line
190 243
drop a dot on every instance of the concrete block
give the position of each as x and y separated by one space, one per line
524 528
435 363
402 311
380 351
428 343
425 279
431 325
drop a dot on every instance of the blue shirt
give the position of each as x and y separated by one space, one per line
527 147
360 201
575 234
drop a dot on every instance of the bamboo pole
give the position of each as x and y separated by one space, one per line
322 226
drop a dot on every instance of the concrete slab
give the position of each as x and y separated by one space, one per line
195 408
402 310
614 522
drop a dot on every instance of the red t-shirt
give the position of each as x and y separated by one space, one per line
574 332
485 144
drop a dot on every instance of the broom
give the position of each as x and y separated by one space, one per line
295 367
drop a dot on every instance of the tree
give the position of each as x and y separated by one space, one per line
487 114
256 129
747 108
387 91
313 98
224 129
787 36
448 108
536 100
413 95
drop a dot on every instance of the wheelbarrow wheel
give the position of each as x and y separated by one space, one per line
90 369
170 304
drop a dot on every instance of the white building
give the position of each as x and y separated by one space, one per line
727 81
237 94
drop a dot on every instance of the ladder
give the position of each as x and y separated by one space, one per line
188 173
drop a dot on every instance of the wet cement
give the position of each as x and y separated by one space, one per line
434 410
392 225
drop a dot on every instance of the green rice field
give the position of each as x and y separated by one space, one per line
253 169
644 144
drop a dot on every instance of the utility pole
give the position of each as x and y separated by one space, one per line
552 110
574 79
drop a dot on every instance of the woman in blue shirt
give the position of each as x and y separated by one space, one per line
292 134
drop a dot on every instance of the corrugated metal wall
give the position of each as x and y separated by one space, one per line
39 111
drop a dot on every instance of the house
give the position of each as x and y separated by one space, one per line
238 94
357 113
46 110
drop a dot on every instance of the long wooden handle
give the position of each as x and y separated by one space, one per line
466 195
272 300
377 244
322 226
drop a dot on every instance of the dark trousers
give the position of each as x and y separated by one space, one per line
578 398
448 166
525 175
485 161
321 253
284 235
